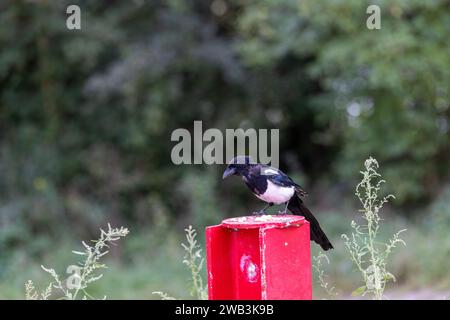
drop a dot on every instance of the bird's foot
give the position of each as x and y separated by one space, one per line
259 213
263 210
285 209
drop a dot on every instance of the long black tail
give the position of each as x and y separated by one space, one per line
296 206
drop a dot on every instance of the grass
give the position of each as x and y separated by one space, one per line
423 264
79 277
130 275
139 265
368 254
151 259
195 263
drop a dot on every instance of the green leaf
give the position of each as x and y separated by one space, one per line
389 276
359 291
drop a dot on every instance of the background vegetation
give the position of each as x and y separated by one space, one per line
86 118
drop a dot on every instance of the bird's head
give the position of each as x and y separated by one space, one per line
238 166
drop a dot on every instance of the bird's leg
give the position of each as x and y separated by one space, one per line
263 210
285 209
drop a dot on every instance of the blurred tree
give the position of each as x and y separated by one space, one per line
86 115
390 87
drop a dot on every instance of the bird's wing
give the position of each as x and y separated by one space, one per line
281 179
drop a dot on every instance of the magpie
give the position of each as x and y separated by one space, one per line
275 187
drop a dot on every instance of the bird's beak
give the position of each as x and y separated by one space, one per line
228 172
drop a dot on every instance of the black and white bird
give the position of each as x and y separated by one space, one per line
274 187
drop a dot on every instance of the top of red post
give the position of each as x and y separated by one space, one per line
258 221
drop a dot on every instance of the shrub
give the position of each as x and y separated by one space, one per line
195 262
83 274
368 254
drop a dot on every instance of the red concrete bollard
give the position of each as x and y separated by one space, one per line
259 258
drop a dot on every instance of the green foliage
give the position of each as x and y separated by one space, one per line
163 295
433 236
138 271
84 274
317 265
369 255
86 116
199 189
195 263
385 92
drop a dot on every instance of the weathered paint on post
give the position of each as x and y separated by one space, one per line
259 258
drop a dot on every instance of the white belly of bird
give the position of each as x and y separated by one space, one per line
276 194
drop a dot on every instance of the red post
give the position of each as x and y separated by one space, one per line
259 258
